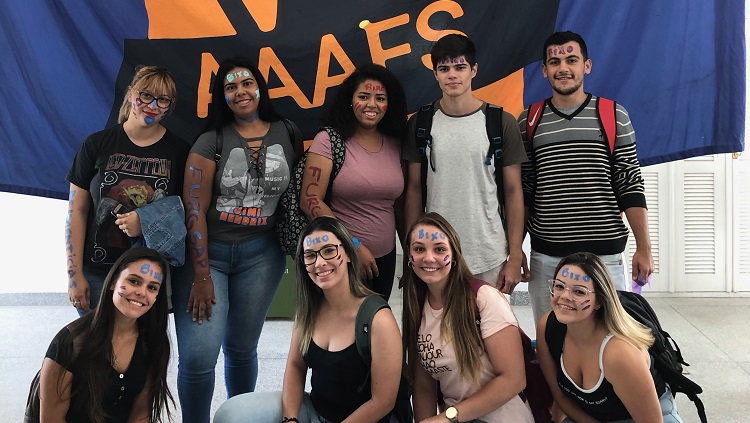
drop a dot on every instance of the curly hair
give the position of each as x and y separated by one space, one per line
340 115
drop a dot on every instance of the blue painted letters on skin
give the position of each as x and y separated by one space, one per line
309 241
147 270
194 208
575 276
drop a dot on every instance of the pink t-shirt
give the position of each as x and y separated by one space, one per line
365 189
439 358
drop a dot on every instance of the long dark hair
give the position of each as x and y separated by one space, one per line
309 295
92 335
459 304
219 113
340 114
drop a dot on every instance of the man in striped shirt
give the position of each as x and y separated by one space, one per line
575 188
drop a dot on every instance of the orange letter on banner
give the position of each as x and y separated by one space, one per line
268 60
209 67
429 34
263 12
329 46
373 30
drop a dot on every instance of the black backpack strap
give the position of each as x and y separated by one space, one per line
424 141
295 136
219 144
362 328
554 334
494 123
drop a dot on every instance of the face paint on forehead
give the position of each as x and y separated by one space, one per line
374 87
567 272
453 60
559 50
310 240
433 236
232 76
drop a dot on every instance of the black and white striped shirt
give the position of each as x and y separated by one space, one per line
575 188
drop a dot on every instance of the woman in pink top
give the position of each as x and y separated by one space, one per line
480 369
369 112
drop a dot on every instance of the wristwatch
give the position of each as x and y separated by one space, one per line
452 414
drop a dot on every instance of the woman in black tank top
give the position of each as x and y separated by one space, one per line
330 292
594 355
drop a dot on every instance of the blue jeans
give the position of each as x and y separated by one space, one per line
263 407
542 269
95 277
246 277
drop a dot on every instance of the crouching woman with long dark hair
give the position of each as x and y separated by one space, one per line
111 365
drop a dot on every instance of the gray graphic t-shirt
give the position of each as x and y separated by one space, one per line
248 182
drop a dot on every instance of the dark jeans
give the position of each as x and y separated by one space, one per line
383 283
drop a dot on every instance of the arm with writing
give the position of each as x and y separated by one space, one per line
79 203
197 192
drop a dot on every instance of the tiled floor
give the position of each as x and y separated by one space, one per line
712 333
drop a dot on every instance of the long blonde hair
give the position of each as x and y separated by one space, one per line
617 321
309 295
154 79
459 304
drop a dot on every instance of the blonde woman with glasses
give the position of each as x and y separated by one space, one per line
594 355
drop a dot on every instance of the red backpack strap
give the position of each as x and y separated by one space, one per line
533 117
605 109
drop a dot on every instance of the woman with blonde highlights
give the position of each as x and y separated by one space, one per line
480 369
594 355
115 172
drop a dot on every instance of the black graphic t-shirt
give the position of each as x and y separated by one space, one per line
117 172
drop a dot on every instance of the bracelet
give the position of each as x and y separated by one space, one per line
289 419
355 241
203 279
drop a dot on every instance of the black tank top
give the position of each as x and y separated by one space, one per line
335 379
600 402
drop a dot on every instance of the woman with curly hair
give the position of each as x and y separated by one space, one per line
369 114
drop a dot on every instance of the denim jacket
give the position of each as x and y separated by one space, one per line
163 228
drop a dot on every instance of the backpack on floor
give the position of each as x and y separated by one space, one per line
665 351
494 123
402 411
291 220
537 391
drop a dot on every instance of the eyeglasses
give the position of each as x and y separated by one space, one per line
328 252
557 287
161 102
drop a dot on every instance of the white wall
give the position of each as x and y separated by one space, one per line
32 250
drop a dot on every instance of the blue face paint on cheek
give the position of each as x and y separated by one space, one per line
257 93
226 98
149 120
